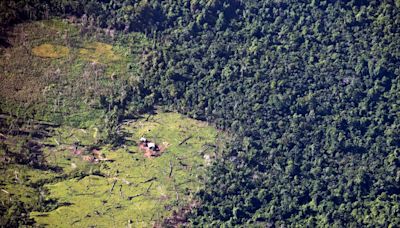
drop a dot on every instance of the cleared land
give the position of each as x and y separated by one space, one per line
129 188
53 72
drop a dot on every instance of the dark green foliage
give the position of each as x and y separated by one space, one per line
311 93
14 214
130 15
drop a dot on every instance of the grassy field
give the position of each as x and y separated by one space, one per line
128 188
131 187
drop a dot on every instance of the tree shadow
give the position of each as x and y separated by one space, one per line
4 43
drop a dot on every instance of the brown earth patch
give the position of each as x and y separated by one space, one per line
149 153
178 217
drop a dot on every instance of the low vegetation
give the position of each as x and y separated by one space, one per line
50 51
50 73
125 188
99 53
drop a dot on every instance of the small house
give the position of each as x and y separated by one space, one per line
152 146
143 140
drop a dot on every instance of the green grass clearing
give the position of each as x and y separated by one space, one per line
50 51
154 194
99 52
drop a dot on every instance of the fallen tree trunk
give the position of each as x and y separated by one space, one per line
185 140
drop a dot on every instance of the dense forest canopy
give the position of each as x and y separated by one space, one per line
310 91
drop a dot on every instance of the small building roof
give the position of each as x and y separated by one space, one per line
151 145
143 139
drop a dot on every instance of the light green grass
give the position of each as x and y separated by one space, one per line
21 189
50 51
91 199
99 52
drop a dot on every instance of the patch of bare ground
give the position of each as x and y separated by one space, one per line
178 217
